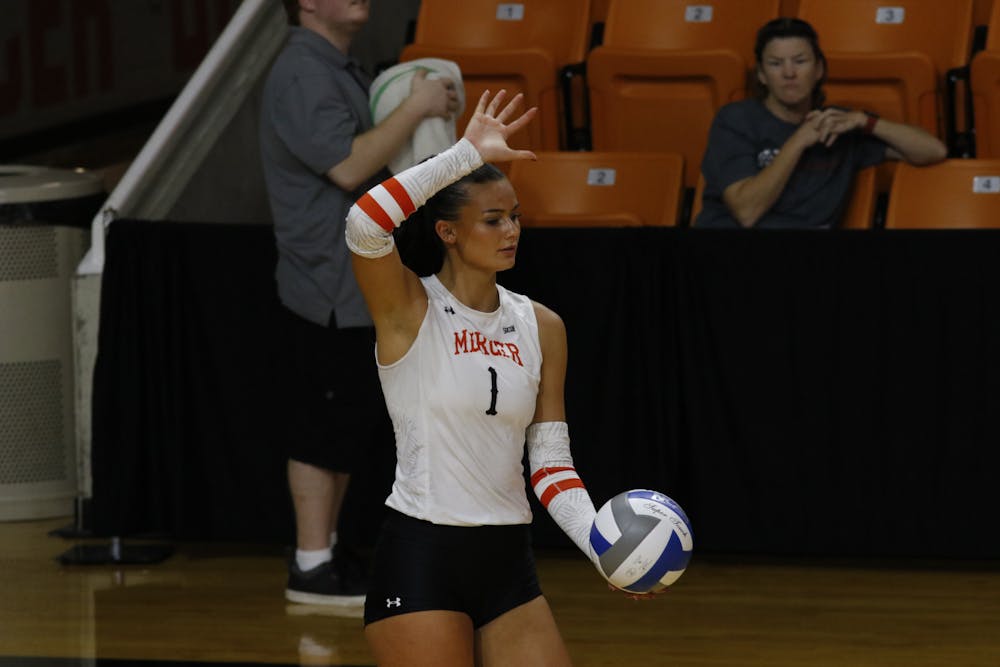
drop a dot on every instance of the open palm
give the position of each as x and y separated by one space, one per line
488 129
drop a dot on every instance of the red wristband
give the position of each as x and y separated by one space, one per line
870 123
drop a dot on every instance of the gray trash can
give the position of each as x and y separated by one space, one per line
45 217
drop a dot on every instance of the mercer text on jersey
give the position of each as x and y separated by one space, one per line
467 342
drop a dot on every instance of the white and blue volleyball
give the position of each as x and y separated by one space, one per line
643 541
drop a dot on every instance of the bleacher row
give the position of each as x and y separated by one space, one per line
627 89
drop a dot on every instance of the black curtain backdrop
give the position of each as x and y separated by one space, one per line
799 393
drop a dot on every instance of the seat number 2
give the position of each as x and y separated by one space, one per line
698 13
510 11
890 15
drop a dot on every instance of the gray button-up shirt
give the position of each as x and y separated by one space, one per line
314 103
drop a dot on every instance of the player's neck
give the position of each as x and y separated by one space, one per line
474 289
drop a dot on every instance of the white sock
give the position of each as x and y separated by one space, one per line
308 559
333 539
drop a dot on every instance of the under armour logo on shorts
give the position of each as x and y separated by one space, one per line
389 602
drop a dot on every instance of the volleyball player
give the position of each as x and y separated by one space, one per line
470 372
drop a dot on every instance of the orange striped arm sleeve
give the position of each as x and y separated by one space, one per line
379 211
557 484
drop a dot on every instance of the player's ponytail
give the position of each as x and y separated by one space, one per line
420 247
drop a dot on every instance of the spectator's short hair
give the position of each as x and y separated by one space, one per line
789 27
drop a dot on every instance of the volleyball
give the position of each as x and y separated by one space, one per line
643 541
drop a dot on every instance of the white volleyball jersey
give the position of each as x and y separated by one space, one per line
460 400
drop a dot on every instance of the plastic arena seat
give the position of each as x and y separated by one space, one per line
599 10
860 211
985 83
521 47
954 194
981 11
664 69
599 189
892 58
789 7
699 192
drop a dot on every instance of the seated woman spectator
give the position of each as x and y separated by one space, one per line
783 160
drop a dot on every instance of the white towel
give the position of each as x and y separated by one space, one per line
433 135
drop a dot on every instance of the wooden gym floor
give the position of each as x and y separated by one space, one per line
223 604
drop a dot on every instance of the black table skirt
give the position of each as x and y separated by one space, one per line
798 393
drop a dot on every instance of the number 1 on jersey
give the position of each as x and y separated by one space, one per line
493 392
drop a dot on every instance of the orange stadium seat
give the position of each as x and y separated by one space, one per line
598 17
861 208
892 58
699 192
599 10
789 7
860 211
520 47
664 69
598 189
981 11
954 194
985 83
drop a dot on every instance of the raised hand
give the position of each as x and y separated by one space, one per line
488 129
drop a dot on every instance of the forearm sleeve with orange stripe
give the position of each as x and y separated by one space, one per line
380 210
557 485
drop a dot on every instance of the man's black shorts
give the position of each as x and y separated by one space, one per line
331 401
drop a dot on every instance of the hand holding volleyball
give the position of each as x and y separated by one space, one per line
643 541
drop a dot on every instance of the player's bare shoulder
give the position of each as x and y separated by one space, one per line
546 317
551 329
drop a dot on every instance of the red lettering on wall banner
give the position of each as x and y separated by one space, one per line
12 89
50 83
192 32
94 14
90 30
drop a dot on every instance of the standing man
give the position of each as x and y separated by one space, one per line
320 151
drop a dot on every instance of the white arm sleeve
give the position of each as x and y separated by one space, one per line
557 485
380 210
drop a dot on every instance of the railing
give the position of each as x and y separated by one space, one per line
209 100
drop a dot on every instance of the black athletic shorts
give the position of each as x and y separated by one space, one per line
482 571
331 400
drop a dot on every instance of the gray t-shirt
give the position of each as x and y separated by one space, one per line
314 103
745 137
